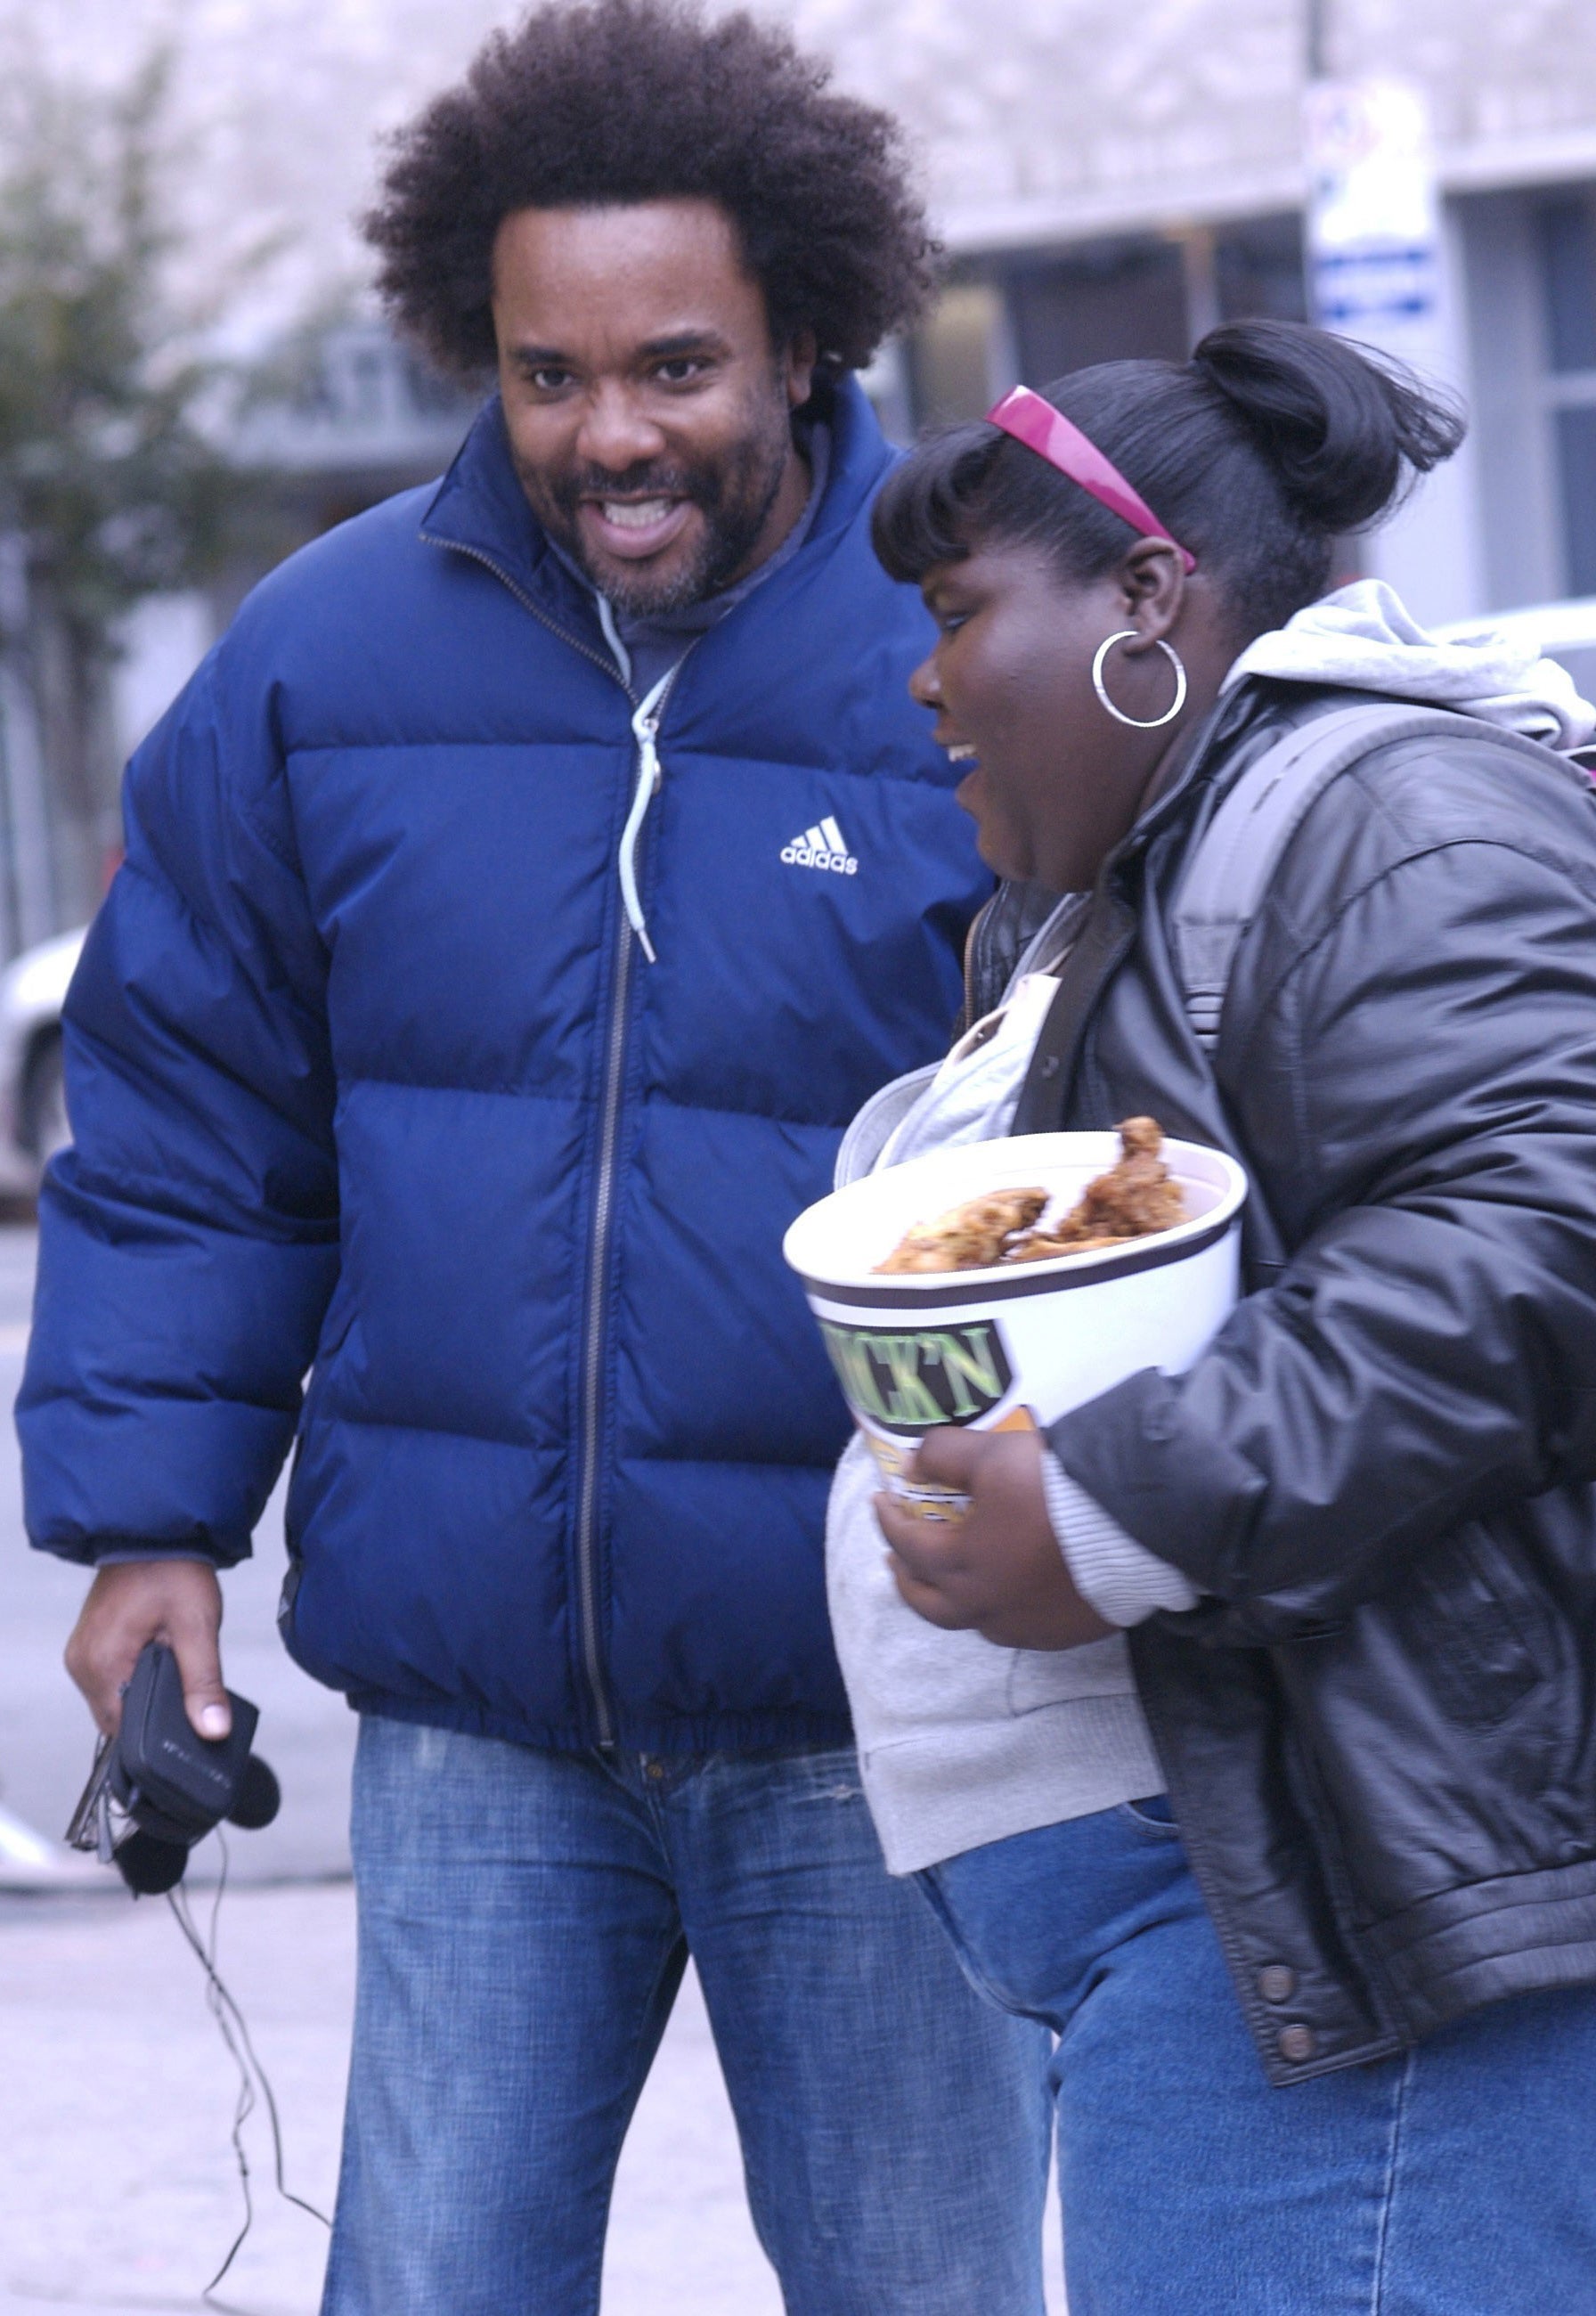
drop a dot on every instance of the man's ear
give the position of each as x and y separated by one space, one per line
802 358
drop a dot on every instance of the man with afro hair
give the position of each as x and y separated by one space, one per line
518 903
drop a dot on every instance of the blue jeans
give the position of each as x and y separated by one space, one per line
524 1921
1457 2180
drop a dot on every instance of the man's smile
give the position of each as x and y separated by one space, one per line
633 530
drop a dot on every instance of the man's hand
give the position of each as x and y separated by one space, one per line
178 1601
998 1570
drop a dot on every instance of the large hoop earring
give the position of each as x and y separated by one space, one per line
1138 723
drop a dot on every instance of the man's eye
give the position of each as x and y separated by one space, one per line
951 622
680 370
550 381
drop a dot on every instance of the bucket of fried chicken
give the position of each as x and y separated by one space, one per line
1000 1284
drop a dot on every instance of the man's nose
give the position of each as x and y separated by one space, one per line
925 685
616 432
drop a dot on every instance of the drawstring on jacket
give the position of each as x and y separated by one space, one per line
644 728
646 731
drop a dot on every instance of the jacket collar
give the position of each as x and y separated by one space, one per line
480 510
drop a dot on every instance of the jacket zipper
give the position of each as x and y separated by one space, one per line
592 1347
646 733
593 1377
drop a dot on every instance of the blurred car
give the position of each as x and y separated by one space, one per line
33 1096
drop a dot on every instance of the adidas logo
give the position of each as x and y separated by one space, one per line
822 846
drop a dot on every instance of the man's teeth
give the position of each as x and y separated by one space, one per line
961 752
636 514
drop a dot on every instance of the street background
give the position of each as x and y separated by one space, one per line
118 2191
179 185
1106 183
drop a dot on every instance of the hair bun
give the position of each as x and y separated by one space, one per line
1347 432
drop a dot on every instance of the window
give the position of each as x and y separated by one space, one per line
1104 302
1037 316
955 360
1576 463
1568 278
1566 235
1258 271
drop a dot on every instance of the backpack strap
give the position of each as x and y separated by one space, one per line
1231 864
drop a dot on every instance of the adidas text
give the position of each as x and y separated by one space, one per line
824 846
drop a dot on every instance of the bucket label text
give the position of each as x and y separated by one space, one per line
913 1380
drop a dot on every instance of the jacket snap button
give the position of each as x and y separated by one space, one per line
1049 1065
1297 2043
1277 1982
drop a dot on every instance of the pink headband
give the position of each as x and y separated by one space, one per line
1054 437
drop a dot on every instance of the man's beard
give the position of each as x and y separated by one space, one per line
735 497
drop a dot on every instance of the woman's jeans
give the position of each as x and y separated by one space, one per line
1458 2180
524 1921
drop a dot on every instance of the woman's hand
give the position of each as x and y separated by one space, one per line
999 1571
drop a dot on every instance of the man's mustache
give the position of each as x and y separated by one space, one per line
641 482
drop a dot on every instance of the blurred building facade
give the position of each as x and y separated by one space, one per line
1115 185
1107 180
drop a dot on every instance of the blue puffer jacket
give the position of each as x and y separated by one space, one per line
367 1068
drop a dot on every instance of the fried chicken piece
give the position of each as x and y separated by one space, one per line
1134 1198
1040 1246
969 1237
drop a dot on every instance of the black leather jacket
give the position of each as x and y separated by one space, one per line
1378 1730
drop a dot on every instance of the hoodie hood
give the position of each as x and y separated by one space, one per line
1363 637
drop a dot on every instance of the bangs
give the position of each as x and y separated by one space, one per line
972 484
922 512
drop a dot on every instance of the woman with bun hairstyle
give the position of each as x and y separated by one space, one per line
1243 1732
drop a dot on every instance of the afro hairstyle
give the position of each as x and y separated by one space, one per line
617 101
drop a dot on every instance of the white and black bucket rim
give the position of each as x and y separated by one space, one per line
1013 1158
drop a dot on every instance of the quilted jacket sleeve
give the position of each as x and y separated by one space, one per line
189 1238
1424 1078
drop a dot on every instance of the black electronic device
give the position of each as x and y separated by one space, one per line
155 1789
166 1784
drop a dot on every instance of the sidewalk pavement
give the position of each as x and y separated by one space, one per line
119 2193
